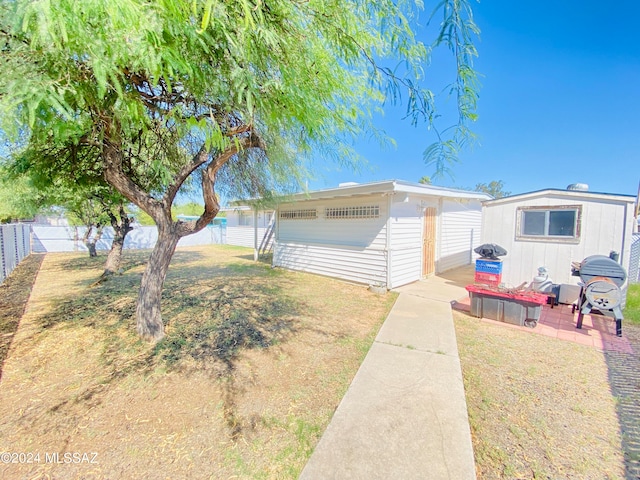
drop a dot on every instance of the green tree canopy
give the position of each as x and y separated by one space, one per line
19 200
242 92
495 188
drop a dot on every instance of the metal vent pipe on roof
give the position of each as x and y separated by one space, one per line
579 187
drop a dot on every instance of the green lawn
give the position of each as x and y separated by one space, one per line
632 312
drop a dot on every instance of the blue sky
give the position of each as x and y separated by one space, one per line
559 103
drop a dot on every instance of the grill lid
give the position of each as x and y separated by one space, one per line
601 266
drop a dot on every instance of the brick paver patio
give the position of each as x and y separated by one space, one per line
597 331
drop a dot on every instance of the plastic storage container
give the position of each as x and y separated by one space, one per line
489 266
516 309
492 279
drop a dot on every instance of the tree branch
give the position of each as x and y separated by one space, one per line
114 175
198 159
211 204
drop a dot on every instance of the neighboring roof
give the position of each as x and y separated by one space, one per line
240 207
556 192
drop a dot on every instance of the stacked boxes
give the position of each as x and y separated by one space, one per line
488 271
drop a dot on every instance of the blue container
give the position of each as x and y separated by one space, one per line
489 266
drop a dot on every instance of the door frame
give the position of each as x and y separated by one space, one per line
429 238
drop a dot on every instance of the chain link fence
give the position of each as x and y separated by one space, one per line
15 244
634 260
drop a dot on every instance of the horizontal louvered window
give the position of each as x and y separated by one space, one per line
367 211
304 214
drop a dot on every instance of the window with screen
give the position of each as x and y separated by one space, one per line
562 222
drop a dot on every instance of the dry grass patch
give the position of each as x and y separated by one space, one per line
14 293
538 407
254 363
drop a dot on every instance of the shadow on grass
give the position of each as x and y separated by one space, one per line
130 259
211 315
14 294
624 379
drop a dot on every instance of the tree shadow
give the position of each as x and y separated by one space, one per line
213 323
624 379
211 316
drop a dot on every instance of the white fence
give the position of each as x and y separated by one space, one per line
69 239
19 240
15 244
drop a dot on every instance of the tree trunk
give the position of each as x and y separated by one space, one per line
114 258
91 243
120 229
148 315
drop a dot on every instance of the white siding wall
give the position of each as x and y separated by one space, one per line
351 249
243 236
348 263
460 227
406 240
602 230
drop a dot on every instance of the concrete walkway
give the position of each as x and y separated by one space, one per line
405 415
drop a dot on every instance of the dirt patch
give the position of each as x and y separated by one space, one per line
538 407
254 363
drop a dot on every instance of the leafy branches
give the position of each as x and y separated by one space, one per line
457 29
148 95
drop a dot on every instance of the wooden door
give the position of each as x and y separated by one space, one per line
429 242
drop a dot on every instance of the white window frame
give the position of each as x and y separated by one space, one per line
545 237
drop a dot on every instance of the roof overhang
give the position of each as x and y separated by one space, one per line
558 193
387 187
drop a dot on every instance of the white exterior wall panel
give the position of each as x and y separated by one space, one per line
460 227
351 249
602 229
348 263
406 266
406 241
358 232
243 236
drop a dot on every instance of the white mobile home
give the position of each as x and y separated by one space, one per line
386 233
553 228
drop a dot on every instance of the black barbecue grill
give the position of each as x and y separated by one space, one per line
602 279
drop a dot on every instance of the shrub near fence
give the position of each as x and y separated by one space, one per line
15 244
